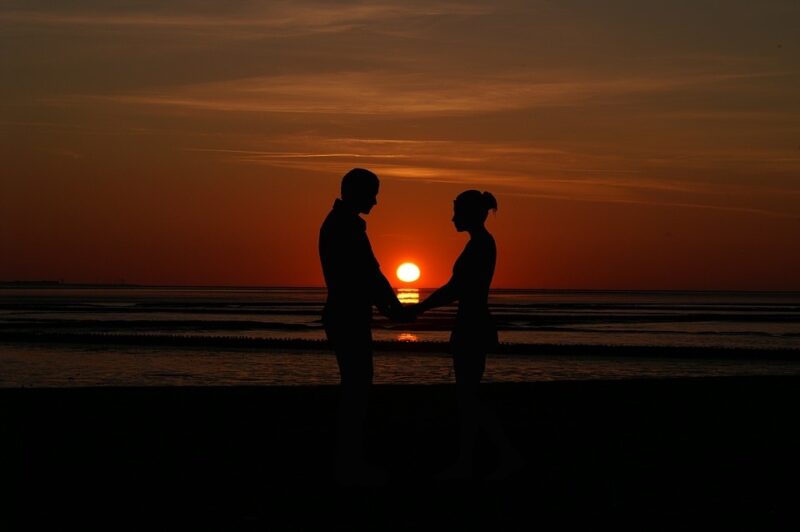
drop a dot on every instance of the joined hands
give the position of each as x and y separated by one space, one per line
404 314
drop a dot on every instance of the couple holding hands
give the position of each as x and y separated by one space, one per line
355 283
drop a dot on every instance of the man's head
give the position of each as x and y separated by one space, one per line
360 190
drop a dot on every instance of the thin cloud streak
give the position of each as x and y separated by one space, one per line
656 203
271 19
523 170
388 93
257 155
534 168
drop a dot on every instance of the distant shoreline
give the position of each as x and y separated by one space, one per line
234 342
45 284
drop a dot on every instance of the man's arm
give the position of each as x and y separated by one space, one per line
386 300
381 292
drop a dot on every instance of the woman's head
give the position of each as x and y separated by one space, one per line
471 208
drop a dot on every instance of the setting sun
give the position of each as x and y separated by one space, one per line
408 272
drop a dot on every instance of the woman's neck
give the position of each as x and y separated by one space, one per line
477 231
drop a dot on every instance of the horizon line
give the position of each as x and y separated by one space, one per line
63 284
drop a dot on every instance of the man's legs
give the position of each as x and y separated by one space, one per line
353 348
355 370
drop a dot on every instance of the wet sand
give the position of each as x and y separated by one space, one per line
656 454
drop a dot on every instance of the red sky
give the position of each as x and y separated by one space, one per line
630 146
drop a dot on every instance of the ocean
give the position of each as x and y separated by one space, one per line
138 336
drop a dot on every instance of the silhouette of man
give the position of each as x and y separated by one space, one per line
355 283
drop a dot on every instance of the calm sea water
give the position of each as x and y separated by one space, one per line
674 319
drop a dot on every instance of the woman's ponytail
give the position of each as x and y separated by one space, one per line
489 201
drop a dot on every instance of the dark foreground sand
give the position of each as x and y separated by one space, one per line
666 454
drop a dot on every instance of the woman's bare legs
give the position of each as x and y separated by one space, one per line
475 416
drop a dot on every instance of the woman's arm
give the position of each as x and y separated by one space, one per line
442 296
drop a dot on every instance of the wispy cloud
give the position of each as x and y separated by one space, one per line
658 203
388 92
522 166
529 170
432 87
270 18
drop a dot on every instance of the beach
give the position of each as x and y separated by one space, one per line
660 453
214 213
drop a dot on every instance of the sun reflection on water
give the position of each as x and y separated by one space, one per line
408 296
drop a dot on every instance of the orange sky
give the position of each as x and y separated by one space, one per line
630 146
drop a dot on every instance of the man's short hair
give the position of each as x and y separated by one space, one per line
357 181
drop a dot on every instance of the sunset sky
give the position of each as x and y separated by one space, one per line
630 144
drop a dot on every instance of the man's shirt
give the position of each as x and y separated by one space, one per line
352 273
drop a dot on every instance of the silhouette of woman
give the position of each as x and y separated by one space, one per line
474 333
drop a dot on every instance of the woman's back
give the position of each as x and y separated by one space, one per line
473 271
472 276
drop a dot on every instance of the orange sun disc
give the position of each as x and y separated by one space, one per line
408 272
